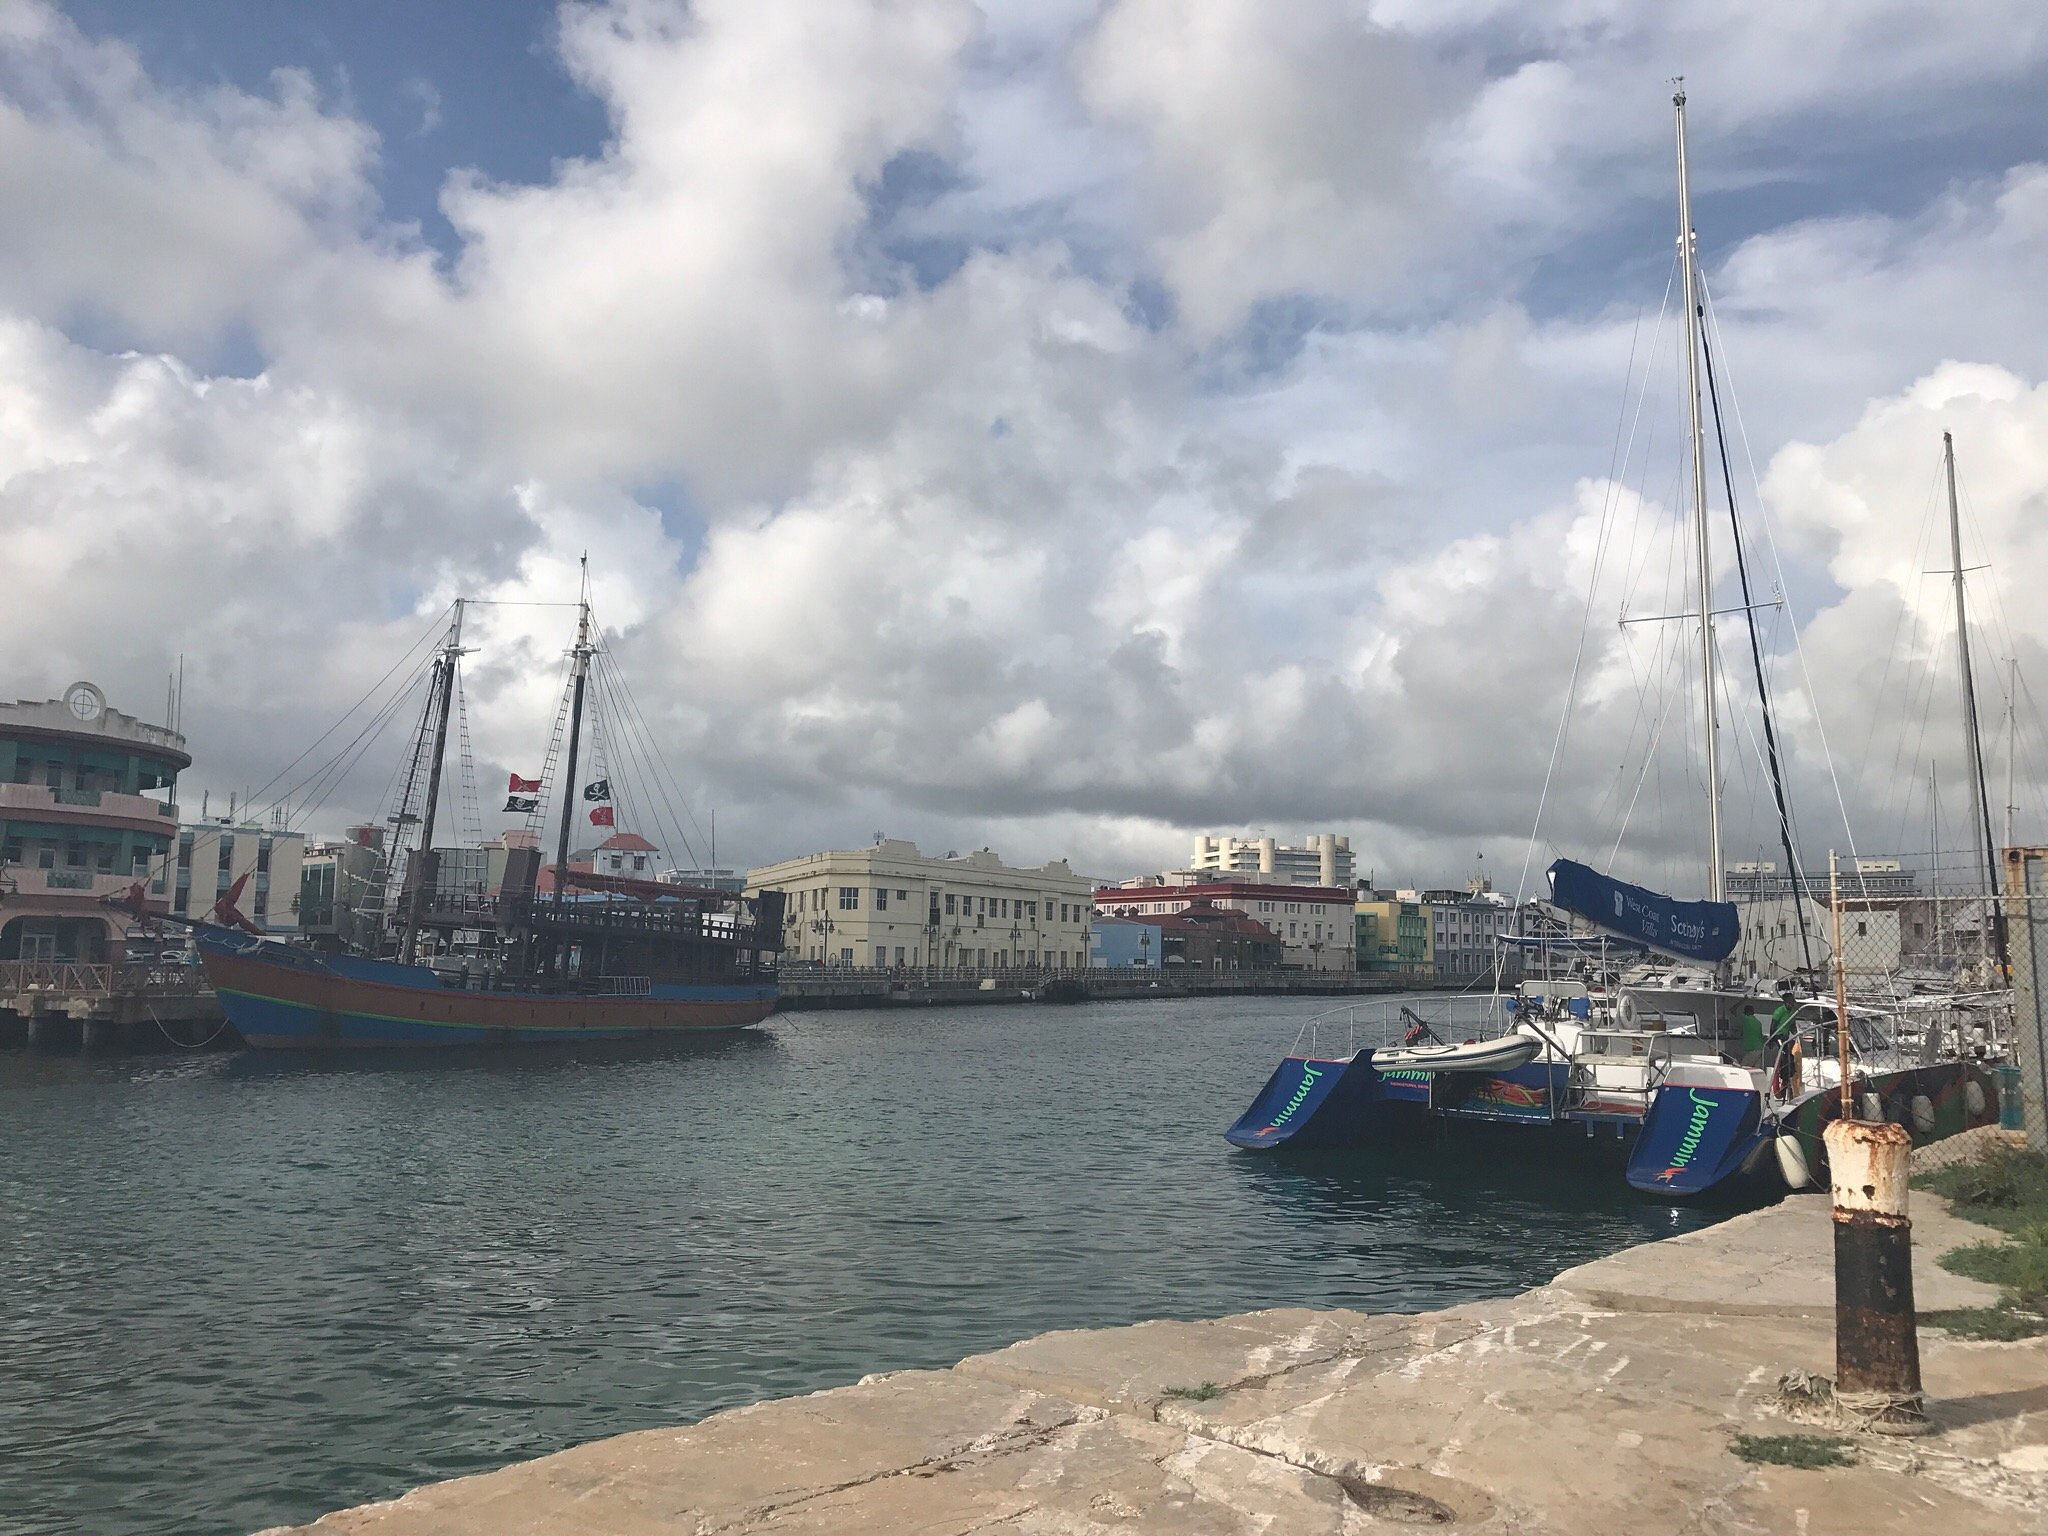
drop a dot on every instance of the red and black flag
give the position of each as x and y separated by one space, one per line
515 785
601 816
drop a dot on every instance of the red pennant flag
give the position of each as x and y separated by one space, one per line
515 785
601 816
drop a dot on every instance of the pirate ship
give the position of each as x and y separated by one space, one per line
536 954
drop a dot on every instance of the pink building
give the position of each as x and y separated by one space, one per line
1313 923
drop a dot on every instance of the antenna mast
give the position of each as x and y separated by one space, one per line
1688 257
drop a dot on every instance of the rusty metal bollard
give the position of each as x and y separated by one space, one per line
1877 1346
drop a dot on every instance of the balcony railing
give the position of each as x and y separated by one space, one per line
26 880
109 802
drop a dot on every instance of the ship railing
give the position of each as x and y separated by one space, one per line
624 986
633 917
1622 1069
1371 1026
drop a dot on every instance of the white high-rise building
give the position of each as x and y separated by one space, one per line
1323 859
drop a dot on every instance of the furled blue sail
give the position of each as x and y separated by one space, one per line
1698 930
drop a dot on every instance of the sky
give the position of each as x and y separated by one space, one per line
1060 427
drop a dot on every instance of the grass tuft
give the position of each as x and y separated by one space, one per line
1809 1451
2007 1188
2020 1267
2002 1324
1201 1394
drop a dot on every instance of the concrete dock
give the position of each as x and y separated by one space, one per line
814 988
1603 1402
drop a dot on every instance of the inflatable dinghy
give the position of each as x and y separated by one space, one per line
1501 1054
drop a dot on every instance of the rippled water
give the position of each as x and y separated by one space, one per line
241 1290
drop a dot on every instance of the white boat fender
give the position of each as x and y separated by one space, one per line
1923 1115
1873 1108
1973 1098
1627 1011
1792 1162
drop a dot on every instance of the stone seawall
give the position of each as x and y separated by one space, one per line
1604 1402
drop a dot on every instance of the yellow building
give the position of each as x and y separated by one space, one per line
1394 938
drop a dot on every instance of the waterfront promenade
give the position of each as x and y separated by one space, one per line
831 987
1604 1401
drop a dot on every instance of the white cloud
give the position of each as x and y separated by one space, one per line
1281 147
1003 549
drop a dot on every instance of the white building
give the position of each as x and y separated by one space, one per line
1323 859
212 856
1315 925
1771 944
891 907
1465 928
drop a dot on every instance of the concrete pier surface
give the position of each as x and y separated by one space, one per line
1603 1402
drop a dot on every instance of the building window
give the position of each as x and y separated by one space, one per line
903 895
881 898
849 901
951 909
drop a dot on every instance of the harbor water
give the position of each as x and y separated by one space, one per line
238 1290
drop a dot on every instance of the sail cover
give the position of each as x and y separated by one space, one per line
1698 930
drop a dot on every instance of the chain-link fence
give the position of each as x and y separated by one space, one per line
1936 1008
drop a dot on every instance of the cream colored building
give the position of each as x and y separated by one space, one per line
891 907
211 857
1324 858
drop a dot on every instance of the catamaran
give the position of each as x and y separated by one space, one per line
1698 1078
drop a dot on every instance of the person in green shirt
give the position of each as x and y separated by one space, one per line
1752 1029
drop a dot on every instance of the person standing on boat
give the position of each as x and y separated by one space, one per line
1752 1035
1758 1040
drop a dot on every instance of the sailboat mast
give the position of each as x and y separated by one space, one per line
2012 738
1980 812
582 665
1688 256
1934 843
423 853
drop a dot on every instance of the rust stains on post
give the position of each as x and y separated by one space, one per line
1877 1347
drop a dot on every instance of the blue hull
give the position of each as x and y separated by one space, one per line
284 998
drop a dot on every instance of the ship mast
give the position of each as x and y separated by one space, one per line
1973 742
1688 257
423 852
582 672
